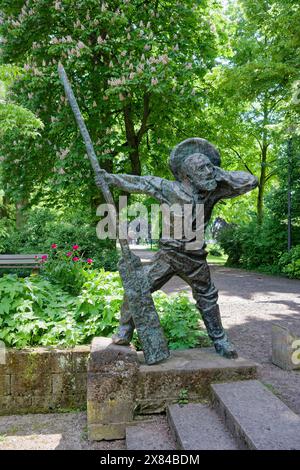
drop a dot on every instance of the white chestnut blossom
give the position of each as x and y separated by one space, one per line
58 6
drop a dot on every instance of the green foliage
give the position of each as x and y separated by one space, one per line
66 268
183 398
35 312
136 69
44 227
290 262
264 246
14 117
253 245
4 233
180 321
102 293
214 249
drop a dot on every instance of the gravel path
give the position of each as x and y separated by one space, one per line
249 303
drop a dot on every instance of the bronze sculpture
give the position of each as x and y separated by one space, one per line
195 164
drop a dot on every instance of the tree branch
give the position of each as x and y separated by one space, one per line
146 113
240 158
270 175
257 140
129 125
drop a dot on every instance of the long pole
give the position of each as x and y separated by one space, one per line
134 280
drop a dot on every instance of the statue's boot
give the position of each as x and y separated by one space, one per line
213 323
124 333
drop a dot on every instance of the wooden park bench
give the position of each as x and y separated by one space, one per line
20 261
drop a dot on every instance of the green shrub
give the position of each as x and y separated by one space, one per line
32 311
35 312
66 268
180 320
214 250
253 246
44 227
290 262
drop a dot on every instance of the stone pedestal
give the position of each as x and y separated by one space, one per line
120 385
111 384
286 345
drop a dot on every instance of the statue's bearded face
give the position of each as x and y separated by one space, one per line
200 172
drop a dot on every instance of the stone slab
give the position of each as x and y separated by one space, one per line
107 432
147 436
286 345
104 353
193 370
120 386
256 417
198 427
111 383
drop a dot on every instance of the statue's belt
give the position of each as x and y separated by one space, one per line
182 247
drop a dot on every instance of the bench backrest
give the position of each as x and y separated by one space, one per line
21 261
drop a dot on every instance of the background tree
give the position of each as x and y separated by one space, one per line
14 119
251 91
133 65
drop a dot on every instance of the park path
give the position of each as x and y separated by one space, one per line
249 303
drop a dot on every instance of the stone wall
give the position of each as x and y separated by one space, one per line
120 386
43 380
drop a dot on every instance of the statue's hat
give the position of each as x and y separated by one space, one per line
189 147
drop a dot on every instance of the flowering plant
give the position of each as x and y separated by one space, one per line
66 267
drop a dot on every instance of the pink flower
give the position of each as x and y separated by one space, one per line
53 246
89 261
69 253
44 257
75 247
75 258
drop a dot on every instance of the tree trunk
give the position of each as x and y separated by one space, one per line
134 138
132 141
263 167
261 187
20 214
4 208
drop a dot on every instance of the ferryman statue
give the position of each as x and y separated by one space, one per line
195 164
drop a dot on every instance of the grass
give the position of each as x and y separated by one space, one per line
221 260
217 259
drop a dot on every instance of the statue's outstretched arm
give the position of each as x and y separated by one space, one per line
234 183
150 185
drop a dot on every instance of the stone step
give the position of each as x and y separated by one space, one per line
256 416
150 436
198 427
